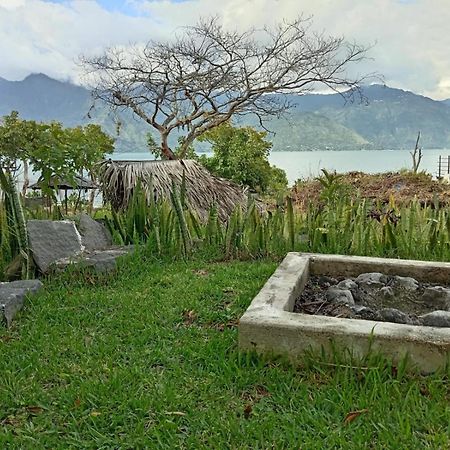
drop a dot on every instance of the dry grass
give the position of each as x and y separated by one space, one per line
404 186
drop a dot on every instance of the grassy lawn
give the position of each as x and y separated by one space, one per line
148 359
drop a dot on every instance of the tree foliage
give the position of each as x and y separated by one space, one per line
206 75
241 154
52 150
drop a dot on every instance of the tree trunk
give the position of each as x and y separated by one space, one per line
26 178
167 153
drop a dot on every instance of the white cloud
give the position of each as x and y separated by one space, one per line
411 36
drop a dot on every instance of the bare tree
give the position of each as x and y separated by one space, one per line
203 77
416 155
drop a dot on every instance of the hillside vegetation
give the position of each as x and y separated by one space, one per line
386 118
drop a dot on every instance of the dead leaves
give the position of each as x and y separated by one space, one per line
201 272
228 325
189 317
35 410
22 415
252 397
352 415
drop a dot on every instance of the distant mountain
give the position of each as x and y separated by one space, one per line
39 97
393 117
387 118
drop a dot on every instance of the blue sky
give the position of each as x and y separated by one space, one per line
128 7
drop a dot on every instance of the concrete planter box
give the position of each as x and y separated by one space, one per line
270 326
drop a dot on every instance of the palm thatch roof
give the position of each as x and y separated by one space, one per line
203 190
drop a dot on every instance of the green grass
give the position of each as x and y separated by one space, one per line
148 359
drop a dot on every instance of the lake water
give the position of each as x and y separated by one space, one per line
308 164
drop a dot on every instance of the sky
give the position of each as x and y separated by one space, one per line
410 44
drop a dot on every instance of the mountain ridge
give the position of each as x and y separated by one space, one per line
390 118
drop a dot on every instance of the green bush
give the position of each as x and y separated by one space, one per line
241 154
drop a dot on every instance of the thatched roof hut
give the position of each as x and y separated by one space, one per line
203 190
78 183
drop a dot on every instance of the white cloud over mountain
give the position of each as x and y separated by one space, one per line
410 36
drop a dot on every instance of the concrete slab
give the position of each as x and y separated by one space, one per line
270 326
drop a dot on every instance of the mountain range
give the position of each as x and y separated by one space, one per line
388 118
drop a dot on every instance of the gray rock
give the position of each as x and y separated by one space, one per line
340 296
94 235
371 280
51 241
99 260
387 292
406 283
395 315
31 286
106 260
347 284
12 297
436 319
364 312
438 297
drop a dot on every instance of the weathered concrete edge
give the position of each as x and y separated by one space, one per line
435 272
268 326
282 288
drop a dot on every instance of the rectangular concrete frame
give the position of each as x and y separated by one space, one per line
270 326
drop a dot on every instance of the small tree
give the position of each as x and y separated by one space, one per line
416 155
204 77
241 154
52 150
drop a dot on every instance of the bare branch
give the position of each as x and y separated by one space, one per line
207 75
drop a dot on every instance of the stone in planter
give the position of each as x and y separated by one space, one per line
438 297
364 312
12 297
94 235
340 296
395 316
436 319
372 280
406 283
347 284
51 241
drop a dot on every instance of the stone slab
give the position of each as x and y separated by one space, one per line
94 235
270 326
12 297
99 260
51 241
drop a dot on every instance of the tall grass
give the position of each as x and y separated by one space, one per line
339 225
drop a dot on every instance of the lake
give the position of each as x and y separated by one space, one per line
308 164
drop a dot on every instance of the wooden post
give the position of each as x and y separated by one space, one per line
439 167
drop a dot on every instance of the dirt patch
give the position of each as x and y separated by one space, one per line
403 186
